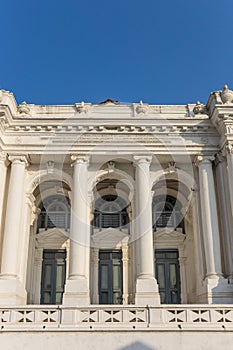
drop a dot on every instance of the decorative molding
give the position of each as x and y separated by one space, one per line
111 166
50 167
172 168
169 129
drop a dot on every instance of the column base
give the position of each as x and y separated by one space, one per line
12 292
216 291
76 292
147 292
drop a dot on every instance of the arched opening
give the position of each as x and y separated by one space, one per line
170 226
48 253
167 212
54 212
110 211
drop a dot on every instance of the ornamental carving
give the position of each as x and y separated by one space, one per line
23 108
199 108
227 95
81 107
141 108
172 168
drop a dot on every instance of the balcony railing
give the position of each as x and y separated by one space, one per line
53 219
124 317
114 220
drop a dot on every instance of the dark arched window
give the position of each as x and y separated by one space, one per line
110 211
166 212
55 212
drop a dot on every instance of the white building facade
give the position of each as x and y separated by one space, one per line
117 217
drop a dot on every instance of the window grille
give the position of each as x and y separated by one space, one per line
164 213
55 212
111 211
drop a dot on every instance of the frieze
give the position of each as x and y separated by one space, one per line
131 139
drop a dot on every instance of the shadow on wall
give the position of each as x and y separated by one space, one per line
137 346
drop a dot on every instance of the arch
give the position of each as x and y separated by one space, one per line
115 174
182 176
42 176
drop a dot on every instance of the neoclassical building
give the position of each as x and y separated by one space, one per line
116 213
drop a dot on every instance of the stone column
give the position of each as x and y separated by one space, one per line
146 285
12 290
3 171
198 242
77 286
229 151
29 218
209 217
225 212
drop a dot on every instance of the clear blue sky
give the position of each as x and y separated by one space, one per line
163 52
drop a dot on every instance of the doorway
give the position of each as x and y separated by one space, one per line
53 276
168 275
110 277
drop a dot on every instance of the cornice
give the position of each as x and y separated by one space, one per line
134 127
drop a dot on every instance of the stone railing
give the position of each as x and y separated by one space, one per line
124 317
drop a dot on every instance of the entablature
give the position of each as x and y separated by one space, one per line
86 125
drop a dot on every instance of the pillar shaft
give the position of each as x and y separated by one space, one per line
77 286
225 210
3 171
79 231
209 218
230 173
144 217
13 222
146 285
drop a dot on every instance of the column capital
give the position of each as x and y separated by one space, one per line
199 160
4 158
228 149
142 159
220 158
79 159
20 159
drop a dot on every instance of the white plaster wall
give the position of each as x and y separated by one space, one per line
117 340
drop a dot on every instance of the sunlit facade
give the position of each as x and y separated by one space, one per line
117 217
